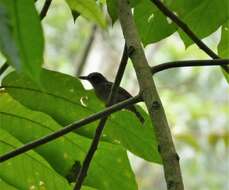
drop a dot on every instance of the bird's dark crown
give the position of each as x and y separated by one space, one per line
94 78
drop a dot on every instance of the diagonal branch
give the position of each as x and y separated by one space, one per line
106 111
3 68
170 159
99 130
42 16
187 30
45 8
69 128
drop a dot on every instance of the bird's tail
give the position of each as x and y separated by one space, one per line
138 115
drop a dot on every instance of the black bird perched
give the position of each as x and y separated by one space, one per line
102 90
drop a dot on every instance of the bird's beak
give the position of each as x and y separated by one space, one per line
83 77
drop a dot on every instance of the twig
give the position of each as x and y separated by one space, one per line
3 68
187 30
45 8
189 63
170 158
98 115
86 163
69 128
42 15
84 57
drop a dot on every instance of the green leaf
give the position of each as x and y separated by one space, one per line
6 186
28 170
112 9
61 154
152 25
64 98
21 36
7 43
223 46
198 18
88 9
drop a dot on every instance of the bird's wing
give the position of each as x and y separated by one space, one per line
122 93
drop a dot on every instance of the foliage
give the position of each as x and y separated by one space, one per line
35 102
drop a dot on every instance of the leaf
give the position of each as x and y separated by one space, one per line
198 18
28 170
61 154
7 43
64 98
152 25
223 46
75 15
6 186
21 36
88 9
112 9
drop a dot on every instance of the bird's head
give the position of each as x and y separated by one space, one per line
94 78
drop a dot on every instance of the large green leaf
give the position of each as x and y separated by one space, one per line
64 98
21 38
28 170
88 9
27 125
7 43
151 23
154 26
6 186
223 46
203 17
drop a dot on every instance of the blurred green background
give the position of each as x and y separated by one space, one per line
196 100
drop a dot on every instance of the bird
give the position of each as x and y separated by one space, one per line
103 87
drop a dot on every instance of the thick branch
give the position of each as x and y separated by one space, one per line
187 30
99 130
150 96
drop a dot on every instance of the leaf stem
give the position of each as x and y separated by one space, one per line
187 30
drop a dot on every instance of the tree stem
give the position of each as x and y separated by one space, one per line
151 98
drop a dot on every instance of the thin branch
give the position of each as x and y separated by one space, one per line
187 30
170 158
86 163
69 128
101 114
42 16
86 52
189 63
3 68
45 8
